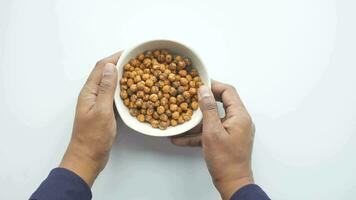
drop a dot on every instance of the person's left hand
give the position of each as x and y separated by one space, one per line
94 128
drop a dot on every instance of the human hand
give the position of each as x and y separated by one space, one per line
94 129
227 143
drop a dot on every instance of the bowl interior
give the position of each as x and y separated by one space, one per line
174 48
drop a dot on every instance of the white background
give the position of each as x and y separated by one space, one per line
293 63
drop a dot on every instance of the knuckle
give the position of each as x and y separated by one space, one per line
104 86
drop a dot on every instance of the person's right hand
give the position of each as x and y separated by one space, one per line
227 143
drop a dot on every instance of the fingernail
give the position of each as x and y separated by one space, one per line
109 69
204 91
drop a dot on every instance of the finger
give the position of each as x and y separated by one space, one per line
95 76
207 103
192 140
229 96
107 88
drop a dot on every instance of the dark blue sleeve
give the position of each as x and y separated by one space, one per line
62 184
250 192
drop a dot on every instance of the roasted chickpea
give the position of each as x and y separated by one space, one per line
180 98
140 94
154 89
127 102
153 97
149 82
160 109
172 100
175 115
172 66
163 125
180 120
134 112
184 106
123 94
141 117
182 72
186 117
166 89
140 85
154 123
173 91
183 81
194 105
174 122
168 58
173 107
163 117
186 95
171 77
130 82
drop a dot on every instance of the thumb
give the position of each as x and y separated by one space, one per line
107 88
211 119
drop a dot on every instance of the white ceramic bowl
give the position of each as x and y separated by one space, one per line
175 48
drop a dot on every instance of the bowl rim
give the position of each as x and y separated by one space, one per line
118 100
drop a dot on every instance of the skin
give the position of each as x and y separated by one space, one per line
94 129
226 143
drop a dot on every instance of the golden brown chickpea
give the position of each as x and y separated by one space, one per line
132 104
156 53
130 82
184 106
182 72
183 81
194 105
145 76
166 95
129 92
133 74
161 58
134 112
127 102
155 115
186 95
149 83
181 65
180 98
186 117
173 107
175 115
141 85
127 74
166 89
159 95
180 90
172 67
178 58
163 125
141 56
171 77
146 97
123 94
196 79
179 110
163 117
132 68
192 84
189 112
139 102
148 118
198 84
176 84
147 62
154 89
173 91
160 109
133 98
180 120
168 58
141 117
140 94
153 97
164 101
192 91
172 100
187 61
133 87
162 67
127 67
162 77
150 111
174 122
189 77
168 113
134 62
154 123
157 103
146 90
123 81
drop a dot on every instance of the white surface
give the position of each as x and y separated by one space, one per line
177 49
293 63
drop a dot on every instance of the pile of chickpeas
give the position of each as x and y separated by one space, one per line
160 88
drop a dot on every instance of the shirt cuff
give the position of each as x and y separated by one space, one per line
62 183
250 192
